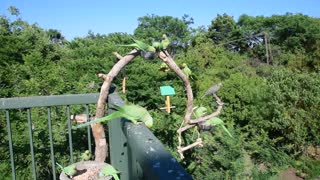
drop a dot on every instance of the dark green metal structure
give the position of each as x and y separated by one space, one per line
134 150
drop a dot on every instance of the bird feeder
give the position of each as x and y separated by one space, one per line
167 91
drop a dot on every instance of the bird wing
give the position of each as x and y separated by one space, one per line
133 112
141 45
136 113
201 111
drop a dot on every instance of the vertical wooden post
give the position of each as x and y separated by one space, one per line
124 85
168 104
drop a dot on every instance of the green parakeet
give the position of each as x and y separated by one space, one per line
165 41
186 70
69 170
164 67
109 170
201 111
86 156
133 113
217 122
141 46
157 45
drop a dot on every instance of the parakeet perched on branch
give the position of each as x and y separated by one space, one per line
165 41
164 67
69 170
200 111
157 45
216 122
134 113
86 156
186 70
212 90
141 46
109 170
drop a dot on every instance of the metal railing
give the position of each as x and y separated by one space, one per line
134 150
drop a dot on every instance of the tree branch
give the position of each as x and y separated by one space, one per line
166 58
101 151
80 118
182 149
193 123
117 55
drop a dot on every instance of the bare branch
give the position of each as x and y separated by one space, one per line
180 130
193 123
80 118
166 58
117 55
182 149
101 152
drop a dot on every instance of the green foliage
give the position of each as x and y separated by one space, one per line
153 26
271 110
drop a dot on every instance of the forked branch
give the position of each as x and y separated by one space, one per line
101 150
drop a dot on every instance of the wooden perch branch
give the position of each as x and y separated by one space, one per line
180 130
182 149
101 150
80 118
117 55
166 58
193 123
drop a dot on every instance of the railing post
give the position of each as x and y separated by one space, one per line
31 144
88 129
53 163
70 135
117 140
137 153
13 171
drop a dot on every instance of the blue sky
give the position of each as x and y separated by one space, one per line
74 18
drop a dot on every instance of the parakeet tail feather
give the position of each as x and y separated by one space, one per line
106 118
226 130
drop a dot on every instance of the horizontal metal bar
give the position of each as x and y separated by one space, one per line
45 101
